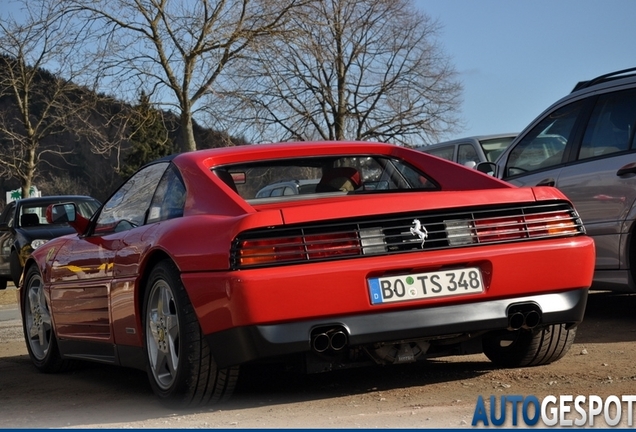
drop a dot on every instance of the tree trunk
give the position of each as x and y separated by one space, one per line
187 132
25 185
27 180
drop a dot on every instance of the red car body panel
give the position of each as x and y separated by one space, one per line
274 295
369 205
93 283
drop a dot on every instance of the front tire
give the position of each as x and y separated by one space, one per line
15 267
181 369
535 347
38 326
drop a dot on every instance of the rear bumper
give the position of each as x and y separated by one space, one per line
242 344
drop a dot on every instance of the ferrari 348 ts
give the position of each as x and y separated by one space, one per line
396 256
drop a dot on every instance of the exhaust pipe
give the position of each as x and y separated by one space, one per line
524 316
320 342
338 340
515 321
329 338
532 319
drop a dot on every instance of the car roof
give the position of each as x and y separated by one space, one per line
624 76
474 138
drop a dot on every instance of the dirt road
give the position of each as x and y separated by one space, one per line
432 394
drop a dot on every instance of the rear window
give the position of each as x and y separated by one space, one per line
312 177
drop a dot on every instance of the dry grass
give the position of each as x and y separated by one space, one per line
8 296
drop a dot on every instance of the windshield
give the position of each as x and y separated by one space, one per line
35 214
288 178
493 148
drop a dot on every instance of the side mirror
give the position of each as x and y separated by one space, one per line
489 168
61 213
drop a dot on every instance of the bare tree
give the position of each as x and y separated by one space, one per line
40 57
354 69
176 50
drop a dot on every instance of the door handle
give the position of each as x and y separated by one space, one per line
630 168
547 182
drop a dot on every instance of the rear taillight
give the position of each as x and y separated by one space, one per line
395 234
500 229
332 245
550 224
297 249
539 225
256 252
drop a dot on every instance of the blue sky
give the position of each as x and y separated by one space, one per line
517 57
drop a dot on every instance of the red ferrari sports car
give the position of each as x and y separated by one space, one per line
393 257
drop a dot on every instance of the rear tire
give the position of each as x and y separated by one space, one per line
529 347
38 326
3 284
181 370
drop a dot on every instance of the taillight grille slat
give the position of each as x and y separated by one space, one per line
404 233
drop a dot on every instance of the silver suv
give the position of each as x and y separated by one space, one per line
584 145
469 151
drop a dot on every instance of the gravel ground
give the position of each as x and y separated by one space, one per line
432 394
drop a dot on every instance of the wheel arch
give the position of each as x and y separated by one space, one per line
27 264
628 247
195 379
153 258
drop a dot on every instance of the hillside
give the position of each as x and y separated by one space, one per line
81 170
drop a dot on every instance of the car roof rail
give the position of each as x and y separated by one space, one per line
603 78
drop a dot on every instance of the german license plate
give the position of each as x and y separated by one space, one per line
425 285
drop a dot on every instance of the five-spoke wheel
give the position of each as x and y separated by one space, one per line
38 326
37 317
162 334
181 369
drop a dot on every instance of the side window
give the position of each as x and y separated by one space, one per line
277 192
444 153
7 214
611 126
169 198
467 153
544 145
127 208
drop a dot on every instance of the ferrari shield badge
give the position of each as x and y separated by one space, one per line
418 230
